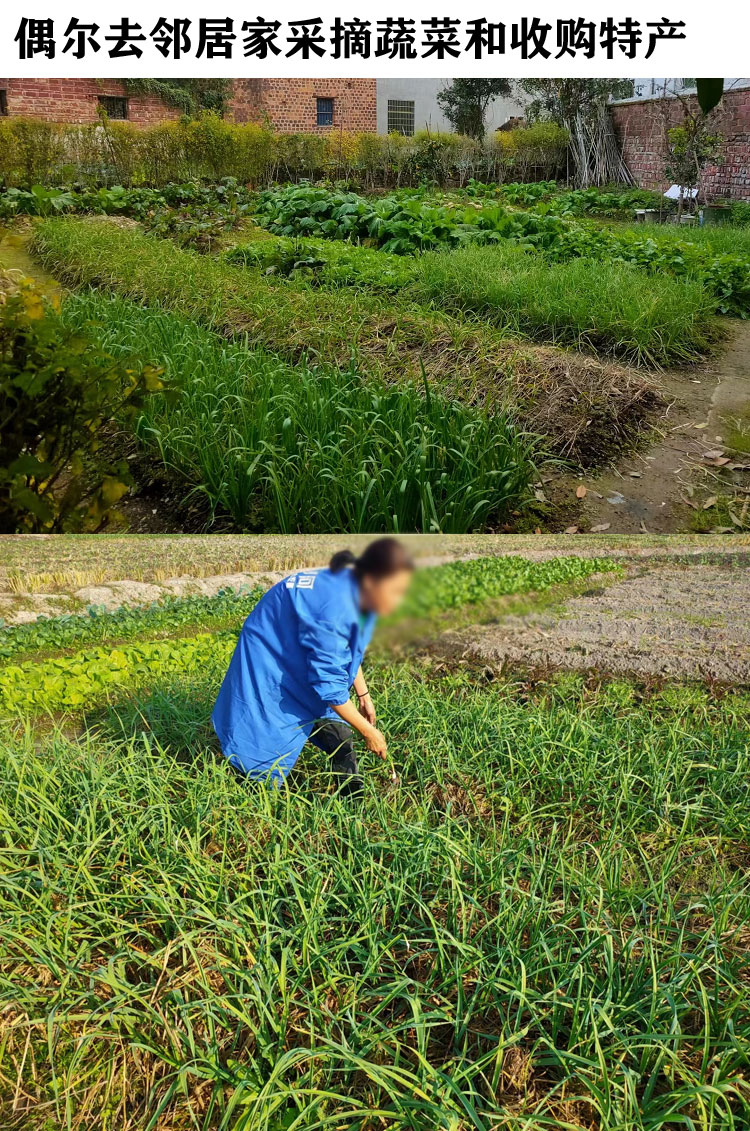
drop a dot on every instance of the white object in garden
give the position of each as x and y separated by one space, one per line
674 192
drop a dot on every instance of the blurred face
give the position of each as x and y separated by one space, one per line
385 595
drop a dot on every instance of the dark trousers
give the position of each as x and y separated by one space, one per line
336 739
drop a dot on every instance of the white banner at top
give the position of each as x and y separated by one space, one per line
134 39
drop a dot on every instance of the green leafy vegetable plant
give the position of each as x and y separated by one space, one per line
58 396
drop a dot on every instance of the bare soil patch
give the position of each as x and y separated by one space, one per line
666 620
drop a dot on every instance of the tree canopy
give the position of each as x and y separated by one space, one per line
465 103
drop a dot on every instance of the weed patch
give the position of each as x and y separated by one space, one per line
609 307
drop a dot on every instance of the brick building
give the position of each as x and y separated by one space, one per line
79 100
641 126
307 105
289 105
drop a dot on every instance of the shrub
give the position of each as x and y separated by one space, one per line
539 149
739 213
33 152
210 144
10 157
58 394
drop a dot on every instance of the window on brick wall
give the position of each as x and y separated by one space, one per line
324 111
116 108
400 117
3 103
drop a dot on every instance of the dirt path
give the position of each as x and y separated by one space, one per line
660 489
731 397
685 622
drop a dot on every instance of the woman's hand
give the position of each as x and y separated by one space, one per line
375 742
367 708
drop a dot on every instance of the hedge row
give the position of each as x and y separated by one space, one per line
104 153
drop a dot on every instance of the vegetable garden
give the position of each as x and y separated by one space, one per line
544 923
407 361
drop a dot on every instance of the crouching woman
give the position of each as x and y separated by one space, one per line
297 659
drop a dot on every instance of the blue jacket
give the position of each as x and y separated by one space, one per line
297 655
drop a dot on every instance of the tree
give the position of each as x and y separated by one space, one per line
690 147
581 106
465 103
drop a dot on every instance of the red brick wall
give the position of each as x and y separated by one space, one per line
290 104
641 128
76 100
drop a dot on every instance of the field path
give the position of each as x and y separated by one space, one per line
654 490
731 396
665 619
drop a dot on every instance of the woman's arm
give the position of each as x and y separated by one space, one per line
364 700
374 740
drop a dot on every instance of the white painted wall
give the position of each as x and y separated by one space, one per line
427 113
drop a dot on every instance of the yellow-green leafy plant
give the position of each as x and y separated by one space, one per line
59 394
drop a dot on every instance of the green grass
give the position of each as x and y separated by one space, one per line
612 308
287 448
543 925
723 239
328 263
585 408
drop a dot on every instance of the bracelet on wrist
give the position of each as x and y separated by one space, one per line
363 695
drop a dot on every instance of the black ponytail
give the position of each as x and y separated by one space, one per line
341 560
382 558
